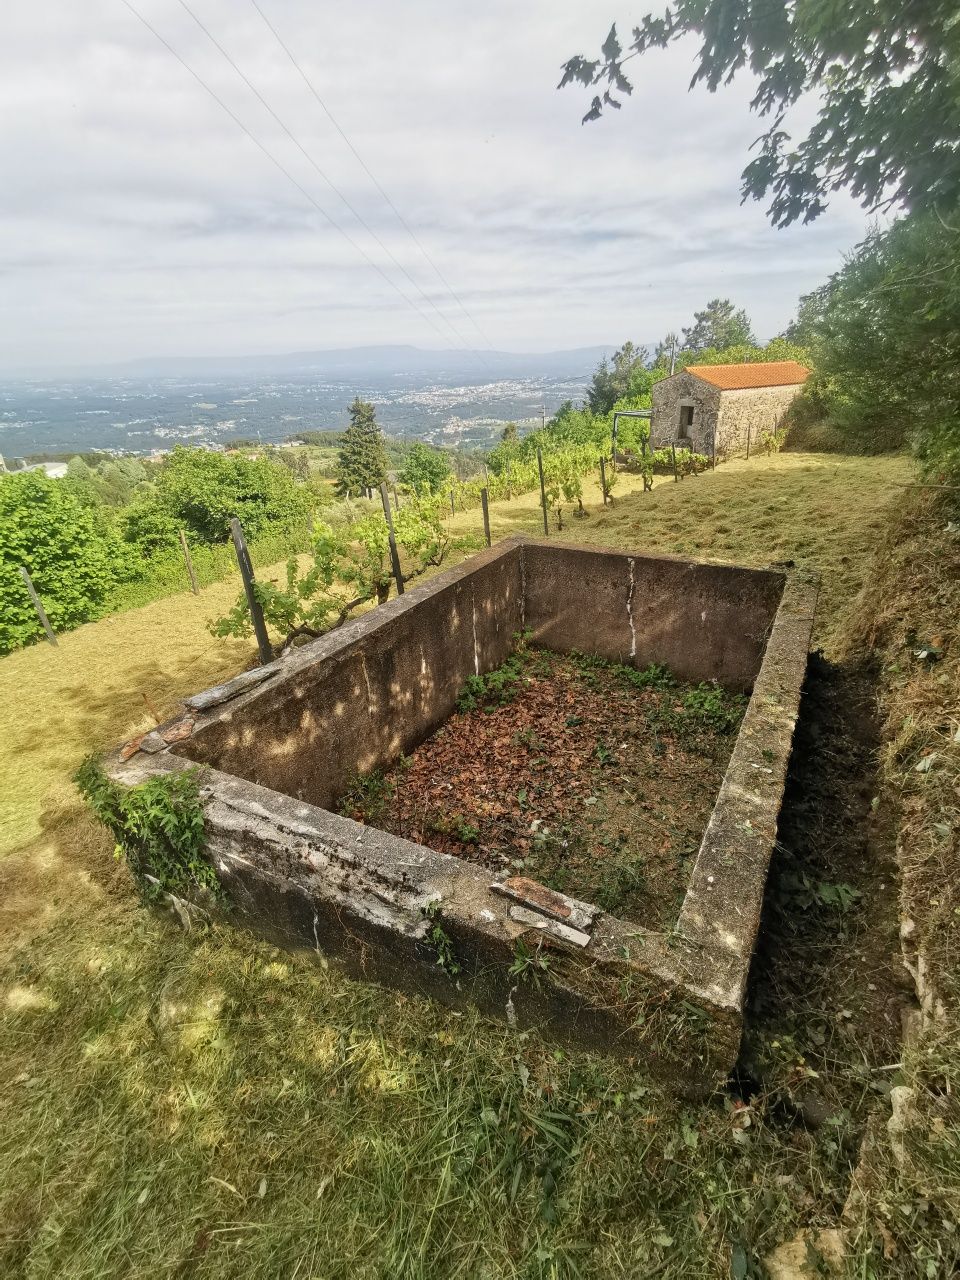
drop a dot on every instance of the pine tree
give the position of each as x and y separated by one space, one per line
719 325
612 380
362 461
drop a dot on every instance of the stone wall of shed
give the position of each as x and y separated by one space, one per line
665 418
758 410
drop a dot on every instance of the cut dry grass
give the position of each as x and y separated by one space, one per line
823 511
205 1106
101 683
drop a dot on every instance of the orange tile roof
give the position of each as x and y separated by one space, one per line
739 377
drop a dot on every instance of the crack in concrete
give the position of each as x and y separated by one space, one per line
476 649
633 629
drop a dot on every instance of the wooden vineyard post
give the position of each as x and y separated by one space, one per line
748 441
603 479
249 587
453 509
188 559
484 502
673 454
41 612
647 476
543 492
394 553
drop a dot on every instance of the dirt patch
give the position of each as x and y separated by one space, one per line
593 778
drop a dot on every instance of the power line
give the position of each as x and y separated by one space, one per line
325 177
363 164
279 165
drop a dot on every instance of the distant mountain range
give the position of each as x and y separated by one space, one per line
378 362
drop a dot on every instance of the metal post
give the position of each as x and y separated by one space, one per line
41 612
249 581
194 586
603 479
613 440
673 453
394 553
486 516
543 492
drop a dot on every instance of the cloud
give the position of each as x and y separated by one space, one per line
139 219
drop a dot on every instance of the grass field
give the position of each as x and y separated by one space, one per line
203 1105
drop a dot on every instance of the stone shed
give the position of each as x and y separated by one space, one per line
716 406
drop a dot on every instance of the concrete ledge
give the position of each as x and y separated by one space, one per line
277 748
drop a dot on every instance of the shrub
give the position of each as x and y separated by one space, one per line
158 828
69 550
425 470
201 491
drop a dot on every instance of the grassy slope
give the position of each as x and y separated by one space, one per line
820 510
912 603
207 1106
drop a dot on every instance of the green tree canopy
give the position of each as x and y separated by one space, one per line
71 555
747 353
362 461
108 482
718 325
886 340
202 491
886 74
425 471
621 376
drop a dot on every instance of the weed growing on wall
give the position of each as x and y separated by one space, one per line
439 941
368 796
529 965
158 828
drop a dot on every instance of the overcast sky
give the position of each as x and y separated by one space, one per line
137 219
